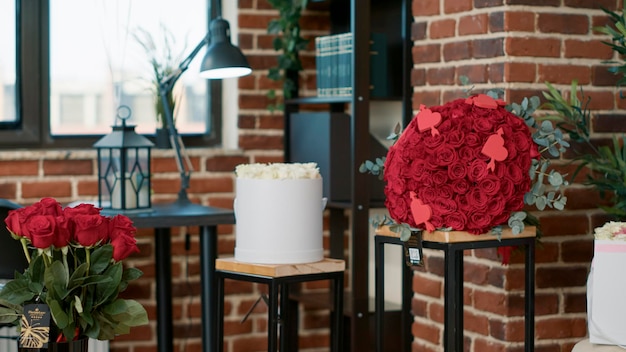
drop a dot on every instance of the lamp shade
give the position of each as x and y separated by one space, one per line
222 59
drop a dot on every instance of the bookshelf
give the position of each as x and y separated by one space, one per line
391 19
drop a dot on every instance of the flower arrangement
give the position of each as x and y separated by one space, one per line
612 230
278 171
471 165
163 62
75 268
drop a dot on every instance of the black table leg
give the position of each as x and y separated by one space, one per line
220 315
453 299
272 328
162 255
284 317
379 282
336 344
529 297
407 297
208 254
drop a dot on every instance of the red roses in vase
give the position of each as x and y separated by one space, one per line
75 267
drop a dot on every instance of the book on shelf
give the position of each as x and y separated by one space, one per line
333 58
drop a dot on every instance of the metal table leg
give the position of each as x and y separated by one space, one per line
208 298
219 333
338 322
379 279
165 338
272 328
529 297
453 299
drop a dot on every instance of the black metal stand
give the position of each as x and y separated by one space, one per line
278 312
162 218
453 290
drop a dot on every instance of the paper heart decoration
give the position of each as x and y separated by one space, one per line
494 148
421 212
484 101
427 119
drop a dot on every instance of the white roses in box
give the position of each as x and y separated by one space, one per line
611 231
278 171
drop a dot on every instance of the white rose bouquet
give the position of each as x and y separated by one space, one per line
278 171
612 230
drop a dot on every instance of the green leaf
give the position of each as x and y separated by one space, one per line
57 279
100 259
58 314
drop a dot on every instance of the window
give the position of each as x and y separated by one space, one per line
8 106
79 60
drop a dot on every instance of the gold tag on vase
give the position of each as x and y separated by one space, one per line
35 326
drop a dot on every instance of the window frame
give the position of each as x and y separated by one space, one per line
33 90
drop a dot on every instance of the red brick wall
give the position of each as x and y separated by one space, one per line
497 43
508 46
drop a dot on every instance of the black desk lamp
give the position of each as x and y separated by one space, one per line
222 60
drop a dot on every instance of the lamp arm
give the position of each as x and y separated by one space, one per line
165 86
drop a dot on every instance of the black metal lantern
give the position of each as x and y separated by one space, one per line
124 169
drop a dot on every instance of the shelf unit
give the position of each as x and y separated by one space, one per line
394 18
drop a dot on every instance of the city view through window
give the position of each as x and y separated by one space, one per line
97 63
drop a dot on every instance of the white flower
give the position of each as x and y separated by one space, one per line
611 231
278 171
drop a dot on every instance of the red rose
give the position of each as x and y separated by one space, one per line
123 245
457 171
473 140
122 234
445 155
42 230
443 206
455 138
516 174
489 185
48 206
14 221
427 194
90 229
476 198
467 153
496 205
456 220
477 170
63 237
460 186
480 223
121 225
83 208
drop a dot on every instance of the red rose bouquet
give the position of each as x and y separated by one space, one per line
75 268
472 165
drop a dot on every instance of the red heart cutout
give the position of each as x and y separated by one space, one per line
494 148
421 212
427 119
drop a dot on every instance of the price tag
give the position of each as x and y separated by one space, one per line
35 323
413 250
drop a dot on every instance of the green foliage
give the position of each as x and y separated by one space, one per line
288 42
617 31
88 298
606 165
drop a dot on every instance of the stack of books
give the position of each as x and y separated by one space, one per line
333 58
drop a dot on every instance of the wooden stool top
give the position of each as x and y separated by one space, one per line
462 236
586 346
326 265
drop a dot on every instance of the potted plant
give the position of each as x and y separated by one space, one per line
163 61
70 290
288 42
